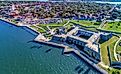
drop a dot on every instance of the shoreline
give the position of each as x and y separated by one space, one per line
59 46
5 20
95 66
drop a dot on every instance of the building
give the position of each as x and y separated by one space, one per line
86 42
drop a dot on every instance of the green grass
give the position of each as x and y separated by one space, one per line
86 23
119 47
113 26
33 27
53 25
40 30
112 49
91 29
68 26
114 71
14 21
104 52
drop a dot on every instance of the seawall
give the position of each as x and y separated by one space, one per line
27 28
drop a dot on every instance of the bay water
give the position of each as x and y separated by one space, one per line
19 55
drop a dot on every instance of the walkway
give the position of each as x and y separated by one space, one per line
103 65
115 55
104 20
67 23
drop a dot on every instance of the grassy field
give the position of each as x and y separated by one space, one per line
44 26
40 30
119 47
104 52
113 26
86 23
92 29
68 26
114 71
112 49
53 25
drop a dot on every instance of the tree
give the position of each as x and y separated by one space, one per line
116 72
118 24
115 15
110 26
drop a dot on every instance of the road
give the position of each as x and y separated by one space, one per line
104 20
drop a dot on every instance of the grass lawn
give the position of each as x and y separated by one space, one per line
91 29
113 26
104 52
53 25
86 23
114 71
68 26
40 30
112 49
119 47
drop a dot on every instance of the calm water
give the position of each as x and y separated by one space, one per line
17 55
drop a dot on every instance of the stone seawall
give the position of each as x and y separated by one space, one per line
75 52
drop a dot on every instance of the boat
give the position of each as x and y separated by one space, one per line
48 50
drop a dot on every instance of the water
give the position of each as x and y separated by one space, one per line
18 57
